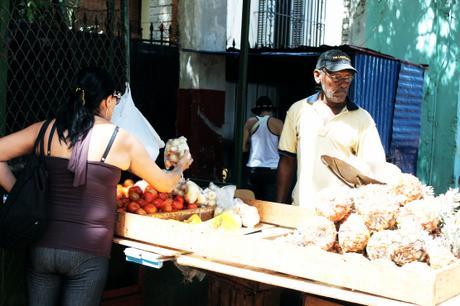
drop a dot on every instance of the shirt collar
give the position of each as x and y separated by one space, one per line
351 106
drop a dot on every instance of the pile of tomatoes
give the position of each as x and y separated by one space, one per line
141 198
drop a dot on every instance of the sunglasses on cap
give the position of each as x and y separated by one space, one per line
337 78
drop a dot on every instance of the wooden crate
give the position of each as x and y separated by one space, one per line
305 262
205 213
224 290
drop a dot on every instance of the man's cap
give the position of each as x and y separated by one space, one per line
334 60
263 103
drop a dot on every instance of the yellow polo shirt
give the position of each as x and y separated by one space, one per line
311 130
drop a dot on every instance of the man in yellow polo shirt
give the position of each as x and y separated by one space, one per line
326 123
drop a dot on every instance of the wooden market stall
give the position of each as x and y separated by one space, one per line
254 254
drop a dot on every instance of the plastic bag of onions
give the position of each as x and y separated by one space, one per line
174 150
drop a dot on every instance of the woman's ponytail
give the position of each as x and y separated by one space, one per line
76 116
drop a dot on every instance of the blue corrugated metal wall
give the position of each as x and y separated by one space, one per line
375 89
406 119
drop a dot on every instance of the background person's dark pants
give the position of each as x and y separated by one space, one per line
263 182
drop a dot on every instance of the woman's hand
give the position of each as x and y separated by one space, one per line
185 162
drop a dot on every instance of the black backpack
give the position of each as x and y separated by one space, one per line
23 217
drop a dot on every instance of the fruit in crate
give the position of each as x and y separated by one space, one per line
228 220
193 219
316 231
334 203
143 199
174 150
353 234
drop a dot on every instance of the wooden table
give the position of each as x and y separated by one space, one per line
252 255
269 277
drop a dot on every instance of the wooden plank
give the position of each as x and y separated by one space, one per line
258 228
166 252
205 213
286 281
272 232
447 283
280 214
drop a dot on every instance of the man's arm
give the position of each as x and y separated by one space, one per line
247 133
286 170
275 125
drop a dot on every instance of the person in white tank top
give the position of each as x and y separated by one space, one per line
260 138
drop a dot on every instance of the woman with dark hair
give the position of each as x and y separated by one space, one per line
84 158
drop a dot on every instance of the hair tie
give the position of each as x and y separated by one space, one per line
82 95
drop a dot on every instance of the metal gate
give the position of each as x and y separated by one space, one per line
42 47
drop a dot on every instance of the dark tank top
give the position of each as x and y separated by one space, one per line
82 205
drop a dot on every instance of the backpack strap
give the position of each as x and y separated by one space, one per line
39 139
50 139
109 145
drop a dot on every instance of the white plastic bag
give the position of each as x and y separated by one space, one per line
127 116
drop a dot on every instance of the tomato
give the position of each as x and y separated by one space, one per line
158 203
150 188
150 195
167 205
119 203
179 199
163 195
133 196
177 205
167 208
136 189
141 202
128 183
125 202
150 209
134 193
133 207
120 191
141 212
192 206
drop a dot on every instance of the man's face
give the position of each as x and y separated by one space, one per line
335 85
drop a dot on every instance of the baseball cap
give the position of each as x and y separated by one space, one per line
334 60
263 103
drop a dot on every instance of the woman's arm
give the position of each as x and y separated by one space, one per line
19 143
15 145
144 167
7 178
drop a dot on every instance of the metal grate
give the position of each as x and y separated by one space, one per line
41 49
291 23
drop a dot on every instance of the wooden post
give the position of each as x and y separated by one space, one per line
240 106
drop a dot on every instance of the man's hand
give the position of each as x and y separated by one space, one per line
286 170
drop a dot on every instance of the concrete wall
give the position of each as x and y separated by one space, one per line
422 31
202 24
202 27
202 71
